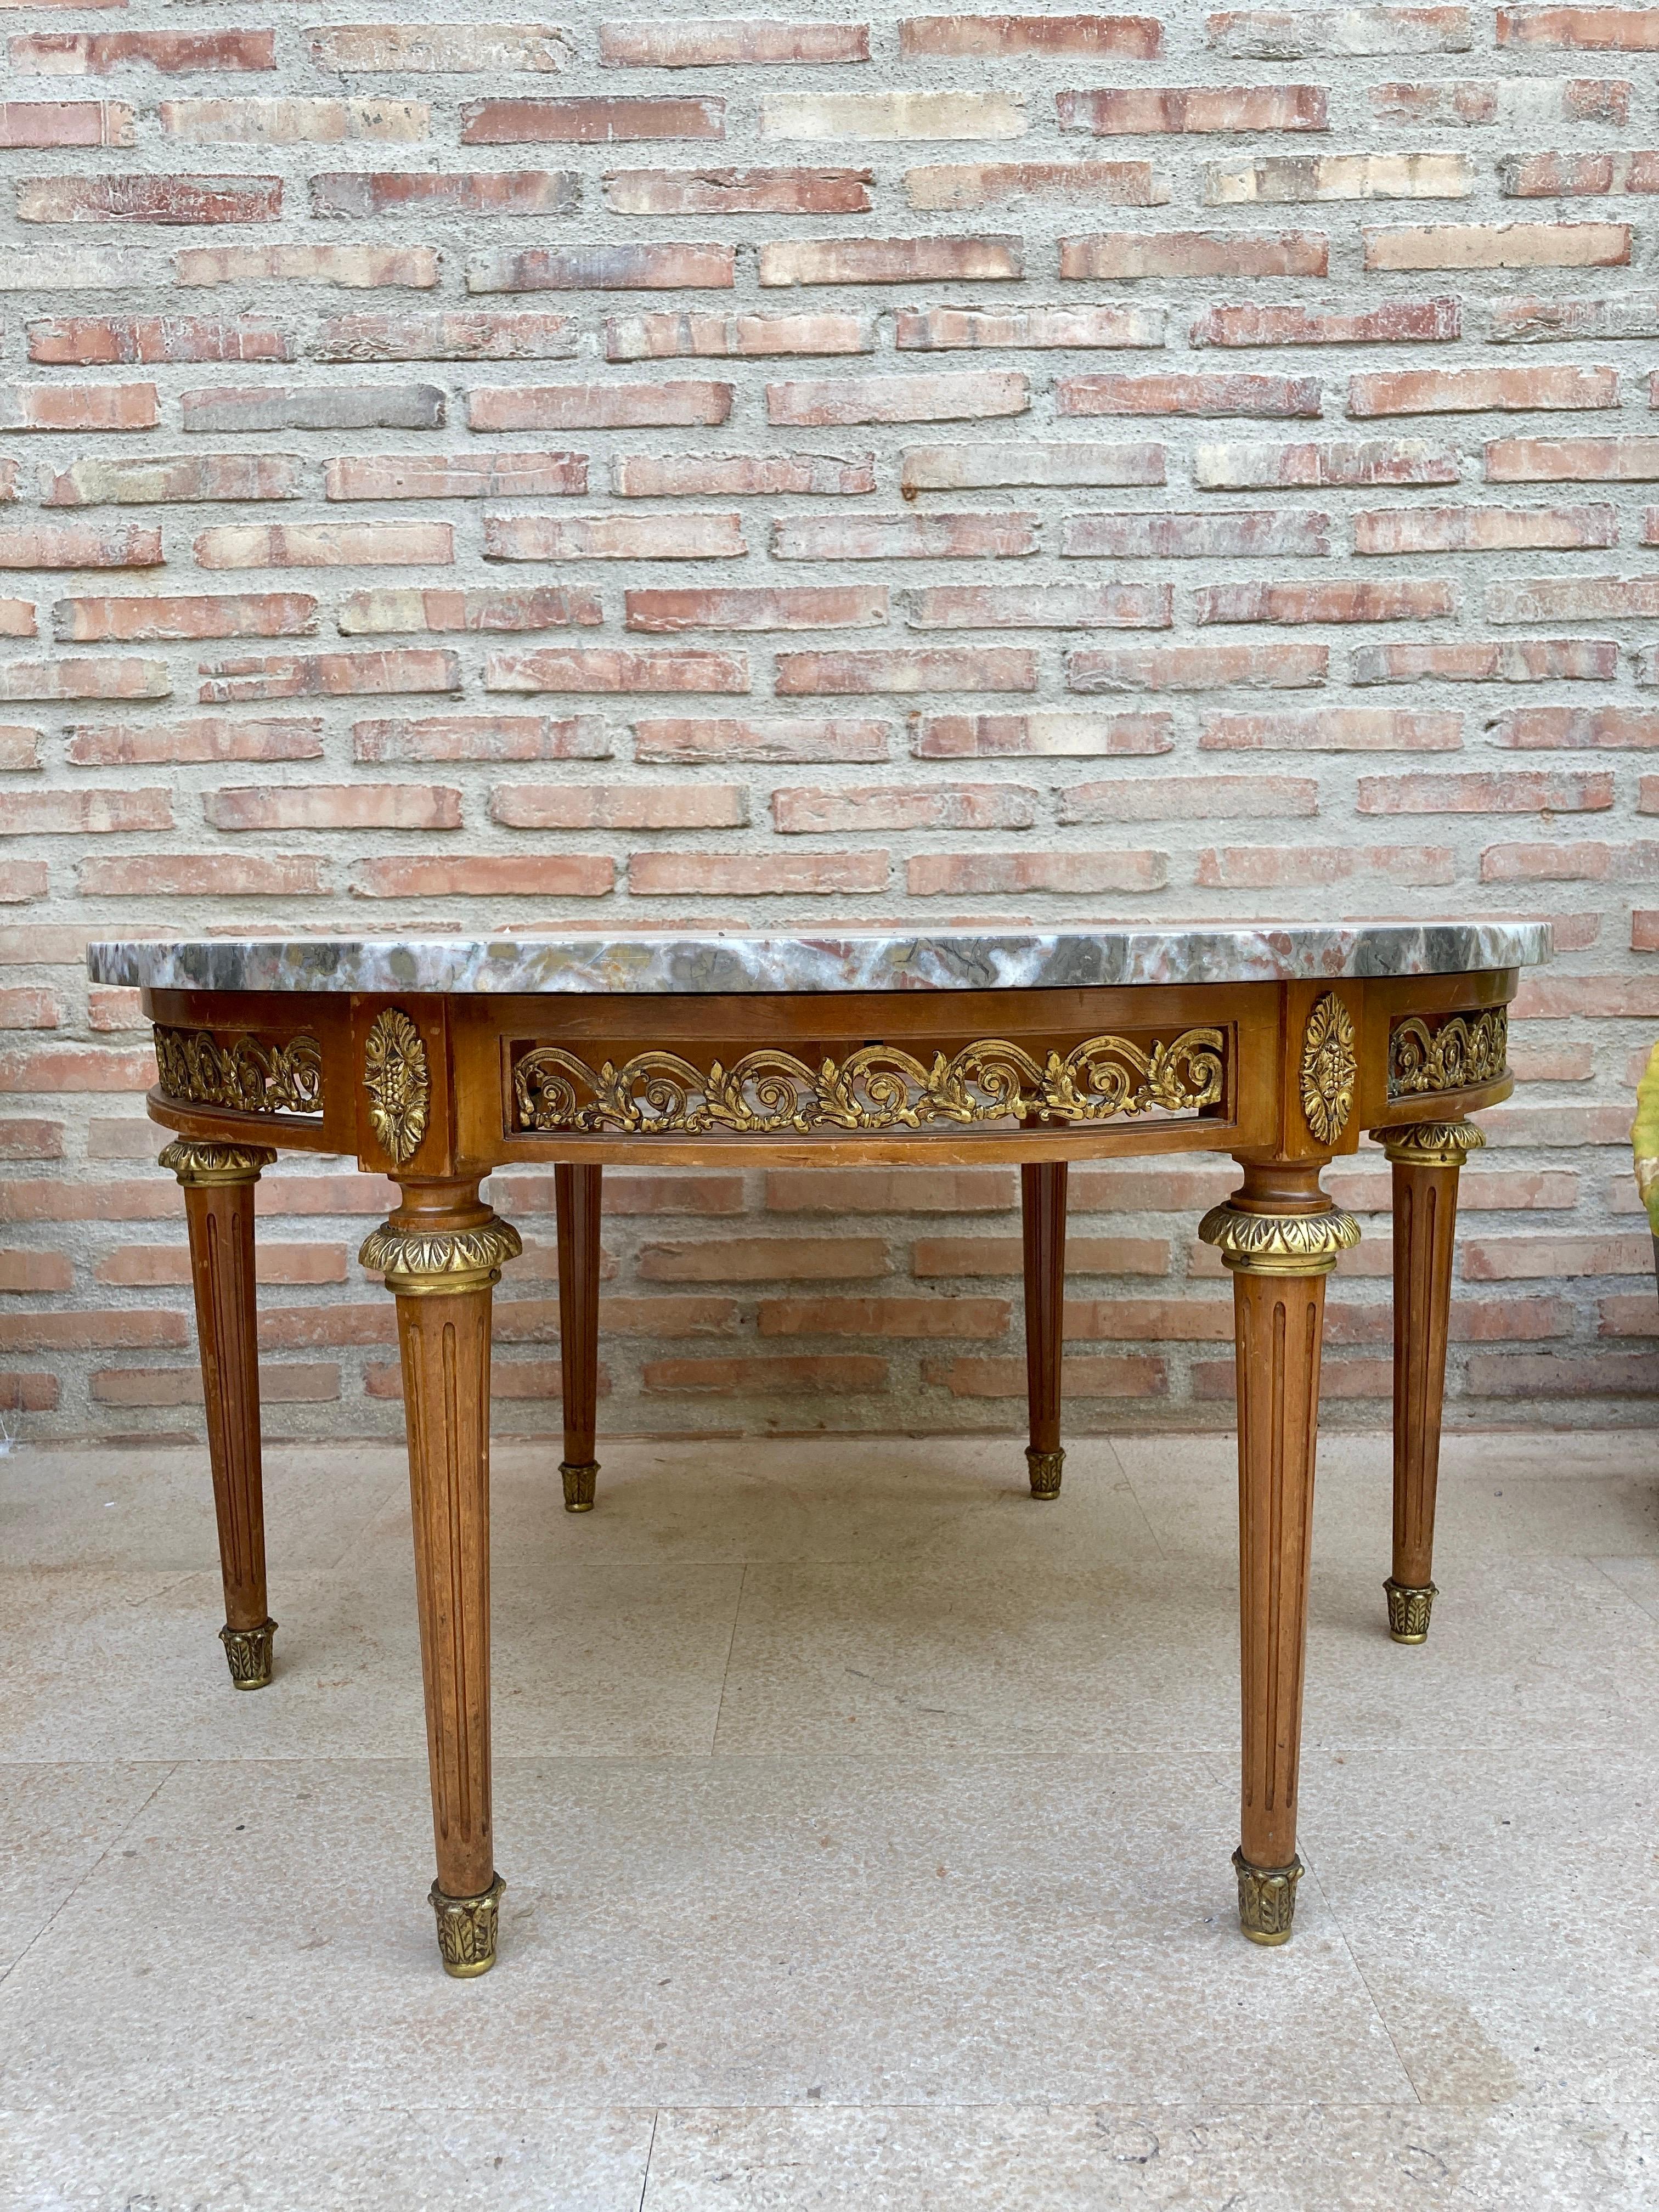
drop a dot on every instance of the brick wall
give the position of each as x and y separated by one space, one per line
1171 463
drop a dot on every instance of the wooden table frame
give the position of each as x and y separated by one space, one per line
437 1090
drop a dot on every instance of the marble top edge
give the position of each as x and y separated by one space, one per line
737 961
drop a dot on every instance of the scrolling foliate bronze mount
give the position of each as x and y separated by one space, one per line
879 1086
240 1071
1450 1054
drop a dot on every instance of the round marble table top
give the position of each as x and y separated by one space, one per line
967 959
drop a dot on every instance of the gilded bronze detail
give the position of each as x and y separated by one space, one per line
417 1262
240 1071
1408 1611
1432 1144
1449 1052
1267 1899
1279 1244
1044 1469
398 1082
770 1091
466 1930
579 1477
248 1652
1328 1068
195 1161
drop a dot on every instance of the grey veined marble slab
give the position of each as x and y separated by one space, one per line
851 960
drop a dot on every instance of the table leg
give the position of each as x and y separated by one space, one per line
1280 1235
441 1254
218 1183
1042 1215
1427 1159
576 1193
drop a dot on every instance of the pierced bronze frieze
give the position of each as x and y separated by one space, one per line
1450 1052
240 1071
771 1092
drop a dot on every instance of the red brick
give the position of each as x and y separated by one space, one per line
881 807
96 53
588 121
327 675
991 875
149 199
1595 30
604 269
718 45
201 875
1499 661
1235 534
132 1329
1189 798
619 805
22 1007
366 195
326 546
83 813
614 670
870 1189
1483 529
22 1139
828 401
1173 394
1137 38
1499 245
322 407
78 407
1123 256
1196 667
35 1271
1134 1376
1277 867
1156 109
596 406
1052 606
75 1067
613 538
889 261
741 476
939 330
1479 390
709 333
1334 730
1507 791
17 618
1512 1259
756 875
1588 860
481 738
28 1394
1358 601
980 668
104 678
972 1257
960 186
952 537
21 749
1395 322
127 481
1574 460
80 545
830 606
1561 727
1573 598
851 1374
334 806
139 620
877 1320
445 334
66 123
721 740
585 875
1041 735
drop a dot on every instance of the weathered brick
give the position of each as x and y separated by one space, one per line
863 537
365 195
596 406
471 48
673 267
1395 322
1535 322
326 546
1572 460
198 615
1499 245
455 476
1333 730
481 738
80 545
1238 533
78 407
941 668
739 191
827 403
1497 660
1348 600
613 538
1287 180
1039 735
1343 464
1596 30
388 610
1573 598
756 875
876 116
594 668
721 740
882 807
740 475
1588 860
619 806
203 875
173 53
1189 798
1172 393
1505 792
295 122
143 198
1291 33
1196 667
1479 390
889 261
1125 256
326 675
1136 38
997 875
936 329
208 737
449 334
807 606
548 875
1317 867
708 334
957 186
84 679
1053 606
1574 727
588 122
66 123
142 481
716 45
334 806
1483 529
353 268
82 814
122 340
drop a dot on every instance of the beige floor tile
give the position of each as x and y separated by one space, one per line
146 1508
1288 2157
1501 1909
600 1659
727 1932
421 2149
60 1820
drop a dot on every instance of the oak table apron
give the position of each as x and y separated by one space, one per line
435 1062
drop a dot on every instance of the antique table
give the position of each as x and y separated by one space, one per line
438 1060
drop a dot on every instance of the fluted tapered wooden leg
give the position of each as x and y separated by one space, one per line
576 1194
1280 1236
1427 1159
1042 1211
218 1183
442 1253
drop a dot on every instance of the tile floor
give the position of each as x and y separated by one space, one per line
867 1830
